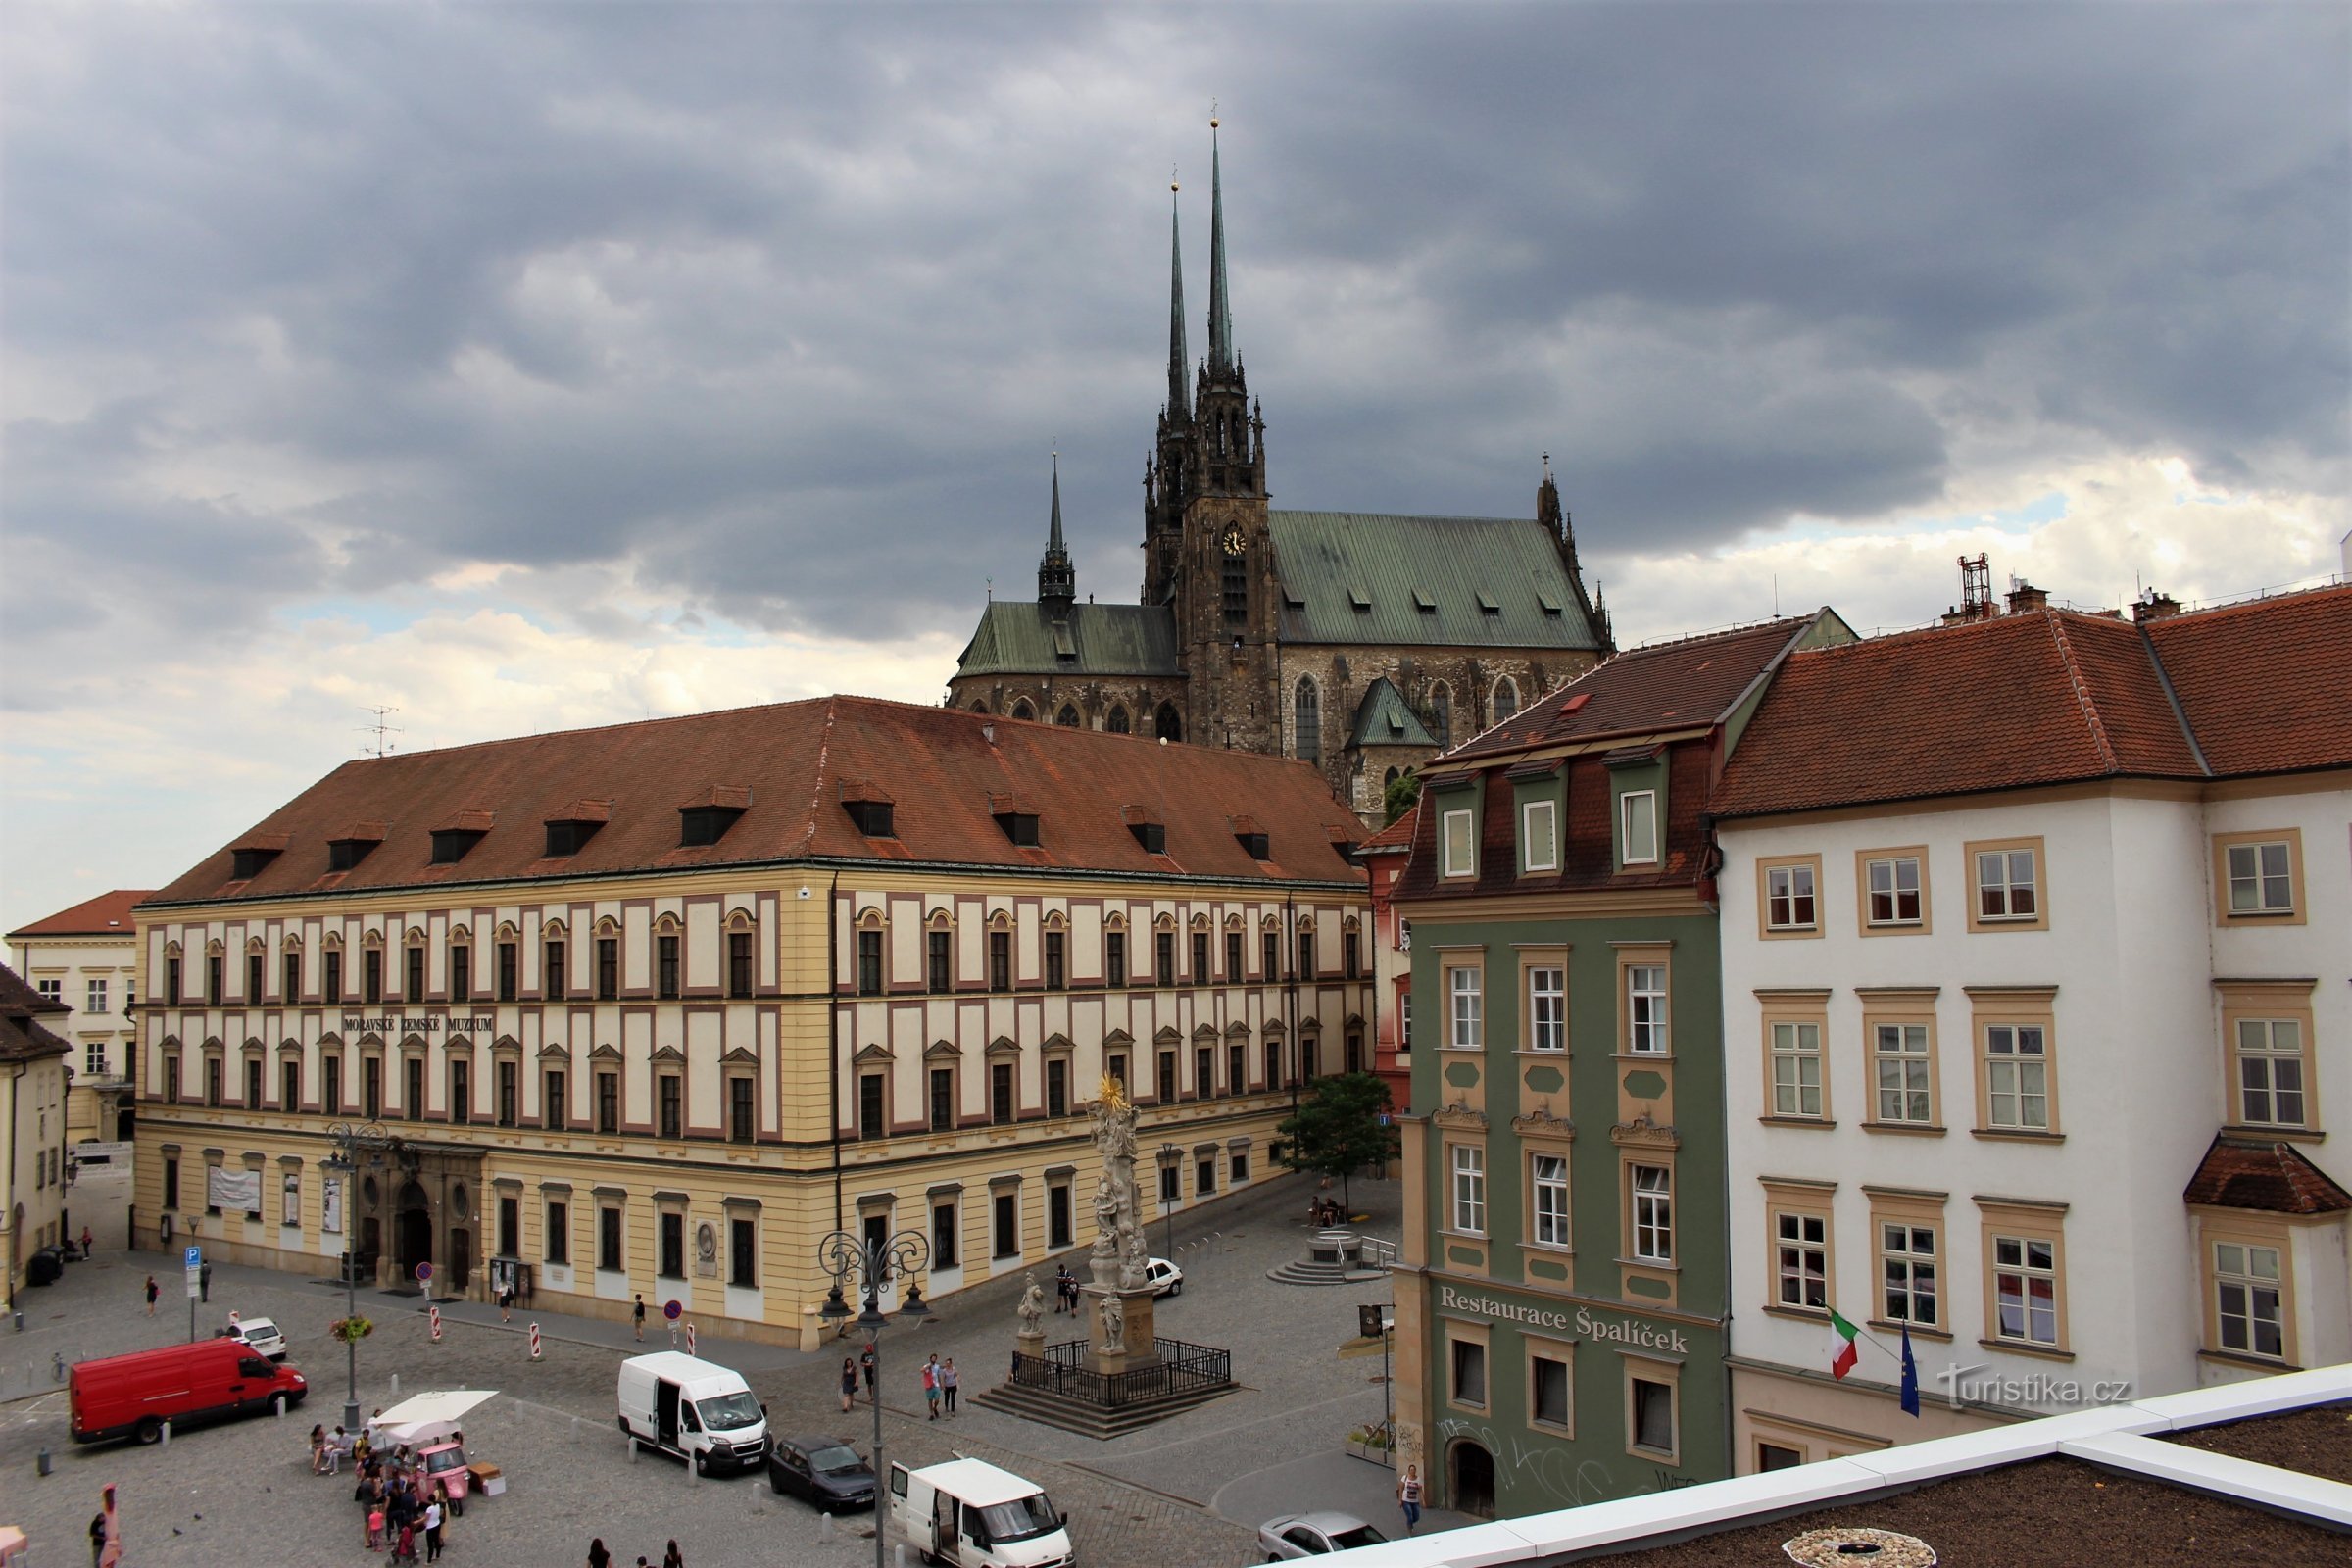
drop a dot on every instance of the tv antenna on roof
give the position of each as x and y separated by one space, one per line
382 744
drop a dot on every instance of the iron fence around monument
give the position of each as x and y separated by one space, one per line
1181 1368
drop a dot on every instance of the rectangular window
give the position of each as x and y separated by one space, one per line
2262 878
1549 1174
1163 958
1469 1189
1637 813
330 1085
2024 1289
331 986
171 982
1171 1182
552 980
1306 955
1646 1008
673 1104
870 1121
509 1094
999 1093
1654 1213
1547 1391
253 979
1464 987
1903 1068
559 1232
743 1253
510 1227
1056 965
93 1057
412 1088
743 1117
510 971
2270 1072
1308 1067
1233 958
1796 1069
460 1090
371 1087
415 958
1894 889
289 1084
1058 1087
289 983
944 1252
1007 1210
1652 1415
1058 1216
2017 1077
1791 898
1469 1373
171 1183
461 974
939 968
1539 836
1200 974
1907 1273
1236 1166
1548 1009
607 969
1273 1064
1205 1175
1352 954
213 983
2006 888
1458 857
2247 1302
1404 1021
673 1244
1164 1084
611 1255
372 975
1801 1260
943 1100
253 1084
51 990
1000 961
171 1080
666 966
1204 1072
608 1103
1115 958
1237 1070
870 963
554 1112
1270 955
1116 1067
739 964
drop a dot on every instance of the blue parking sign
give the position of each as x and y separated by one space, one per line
195 1257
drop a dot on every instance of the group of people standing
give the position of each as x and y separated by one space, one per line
403 1502
939 1384
939 1381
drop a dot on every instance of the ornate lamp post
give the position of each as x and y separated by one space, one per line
348 1139
871 1263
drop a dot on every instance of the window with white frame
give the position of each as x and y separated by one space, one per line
1548 1175
1895 884
2017 1077
1638 821
1469 1189
2247 1313
1653 1213
96 993
1538 835
1404 1020
1907 1273
93 1057
2270 1071
1458 846
1547 1007
1902 1066
1790 899
1801 1254
1796 1068
2262 878
2024 1289
51 990
2006 889
1465 988
1646 1008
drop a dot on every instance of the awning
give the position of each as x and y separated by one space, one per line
424 1417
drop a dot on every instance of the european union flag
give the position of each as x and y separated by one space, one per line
1910 1376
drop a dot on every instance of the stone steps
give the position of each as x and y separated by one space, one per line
1306 1273
1091 1421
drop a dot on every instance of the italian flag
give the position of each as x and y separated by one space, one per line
1842 1355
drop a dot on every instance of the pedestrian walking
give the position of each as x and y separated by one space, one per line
434 1517
506 1305
110 1550
931 1385
1408 1496
865 1365
848 1382
152 1294
946 1385
1061 1288
204 1282
376 1526
637 1316
673 1558
598 1556
85 1244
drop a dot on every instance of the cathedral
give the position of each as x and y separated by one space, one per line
1362 643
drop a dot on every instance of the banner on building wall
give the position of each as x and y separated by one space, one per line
238 1189
330 1205
290 1200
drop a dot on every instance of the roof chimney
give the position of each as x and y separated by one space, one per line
2025 597
2155 604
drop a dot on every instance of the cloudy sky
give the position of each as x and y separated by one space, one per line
526 367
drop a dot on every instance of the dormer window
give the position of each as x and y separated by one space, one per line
247 858
450 844
1016 815
870 808
705 818
1249 836
570 828
354 844
1152 835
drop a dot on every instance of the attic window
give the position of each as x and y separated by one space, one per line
1357 597
874 817
1065 647
699 825
572 825
1423 602
450 844
1254 843
1488 602
1291 598
1549 601
1153 836
248 858
1019 826
353 845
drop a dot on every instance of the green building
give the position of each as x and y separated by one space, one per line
1562 1296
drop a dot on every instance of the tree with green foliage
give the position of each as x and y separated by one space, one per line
1339 1130
1398 798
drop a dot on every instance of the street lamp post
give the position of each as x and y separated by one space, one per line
1171 1158
348 1139
870 1263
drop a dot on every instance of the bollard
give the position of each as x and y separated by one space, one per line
167 1435
435 1313
575 1429
395 1386
534 1341
898 1553
632 1448
693 1470
689 1339
43 1462
57 1368
824 1529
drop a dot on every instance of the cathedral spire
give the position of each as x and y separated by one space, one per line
1180 392
1056 578
1220 314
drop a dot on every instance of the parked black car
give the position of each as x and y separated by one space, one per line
44 1266
827 1471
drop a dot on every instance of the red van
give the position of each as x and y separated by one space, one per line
135 1395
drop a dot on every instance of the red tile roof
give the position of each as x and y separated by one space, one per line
785 764
21 1008
2274 1178
1396 838
2267 685
1688 683
107 914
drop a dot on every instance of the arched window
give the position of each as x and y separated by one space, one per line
1440 714
1118 722
1236 585
1308 711
1067 719
1389 779
1169 726
1023 709
980 707
1506 698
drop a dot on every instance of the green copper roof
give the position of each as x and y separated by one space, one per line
1025 639
1382 718
1445 582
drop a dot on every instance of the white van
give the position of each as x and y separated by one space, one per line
974 1515
699 1410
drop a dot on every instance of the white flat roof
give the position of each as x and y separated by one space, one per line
977 1481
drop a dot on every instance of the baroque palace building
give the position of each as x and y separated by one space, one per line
652 1009
1359 642
87 958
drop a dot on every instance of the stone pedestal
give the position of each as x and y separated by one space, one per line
1030 1345
1137 1335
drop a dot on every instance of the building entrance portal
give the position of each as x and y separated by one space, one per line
412 1231
1471 1479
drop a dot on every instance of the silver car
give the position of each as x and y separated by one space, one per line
1314 1534
261 1334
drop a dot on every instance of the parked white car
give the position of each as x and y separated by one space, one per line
1164 1277
1314 1534
261 1333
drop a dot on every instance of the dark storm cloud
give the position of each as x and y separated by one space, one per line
790 303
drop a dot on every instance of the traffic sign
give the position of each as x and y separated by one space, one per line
195 1283
673 1309
195 1257
424 1273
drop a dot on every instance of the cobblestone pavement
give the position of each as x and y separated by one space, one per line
241 1492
